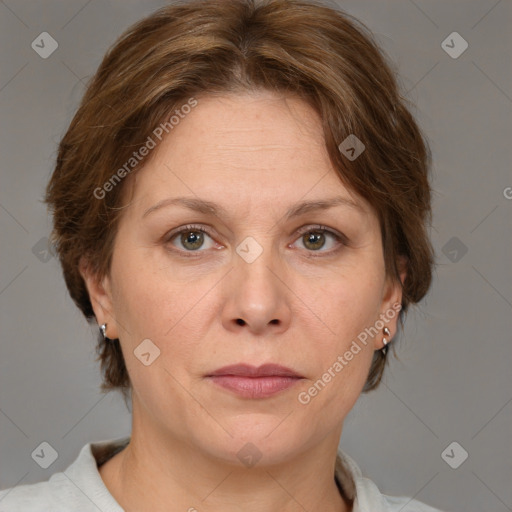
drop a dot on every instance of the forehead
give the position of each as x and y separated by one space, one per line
240 148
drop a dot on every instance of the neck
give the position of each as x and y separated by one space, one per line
154 471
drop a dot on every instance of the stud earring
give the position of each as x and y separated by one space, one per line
103 329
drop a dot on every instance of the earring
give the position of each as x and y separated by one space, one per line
103 329
385 341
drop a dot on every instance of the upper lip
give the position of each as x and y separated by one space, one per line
247 370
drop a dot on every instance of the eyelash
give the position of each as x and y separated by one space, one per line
339 238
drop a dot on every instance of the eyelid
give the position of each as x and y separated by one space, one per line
341 240
187 227
319 227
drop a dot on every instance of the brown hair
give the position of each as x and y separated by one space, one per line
194 47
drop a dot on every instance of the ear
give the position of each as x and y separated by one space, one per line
100 296
391 303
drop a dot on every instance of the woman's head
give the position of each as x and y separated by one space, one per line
246 105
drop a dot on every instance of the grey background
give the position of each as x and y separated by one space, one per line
453 381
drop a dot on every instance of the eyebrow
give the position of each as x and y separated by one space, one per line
211 208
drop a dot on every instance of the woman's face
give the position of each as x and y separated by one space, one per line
259 287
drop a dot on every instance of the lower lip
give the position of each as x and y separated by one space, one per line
254 387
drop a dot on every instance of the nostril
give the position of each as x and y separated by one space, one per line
239 321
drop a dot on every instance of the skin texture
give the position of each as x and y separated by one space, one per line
302 303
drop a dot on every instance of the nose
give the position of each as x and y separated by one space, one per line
257 295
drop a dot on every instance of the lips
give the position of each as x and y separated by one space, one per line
255 382
246 370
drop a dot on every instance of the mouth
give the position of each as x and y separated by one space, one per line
255 382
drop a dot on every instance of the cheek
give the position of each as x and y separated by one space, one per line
348 302
155 305
142 304
149 297
342 361
151 308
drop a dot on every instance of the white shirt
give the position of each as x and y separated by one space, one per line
80 487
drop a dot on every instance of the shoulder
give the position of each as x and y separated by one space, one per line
367 496
36 497
406 504
78 487
371 499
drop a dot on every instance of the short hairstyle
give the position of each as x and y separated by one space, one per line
191 48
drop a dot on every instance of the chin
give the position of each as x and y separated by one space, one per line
257 439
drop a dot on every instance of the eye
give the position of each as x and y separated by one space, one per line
314 238
191 238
